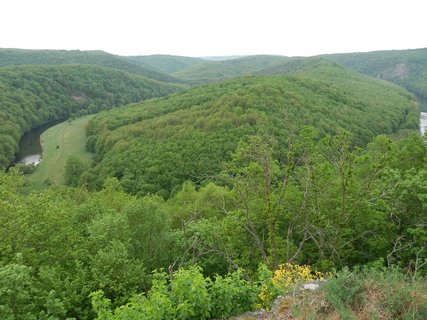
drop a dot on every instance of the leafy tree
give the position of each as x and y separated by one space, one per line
74 168
16 291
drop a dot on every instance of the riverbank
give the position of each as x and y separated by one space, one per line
423 122
58 143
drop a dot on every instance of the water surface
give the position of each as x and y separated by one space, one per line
423 122
30 149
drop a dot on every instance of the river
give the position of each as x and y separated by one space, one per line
30 149
423 122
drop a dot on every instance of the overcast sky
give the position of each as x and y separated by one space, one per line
214 27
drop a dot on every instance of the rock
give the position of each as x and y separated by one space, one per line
281 307
311 285
255 315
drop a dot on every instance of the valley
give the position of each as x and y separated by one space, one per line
30 149
189 188
59 142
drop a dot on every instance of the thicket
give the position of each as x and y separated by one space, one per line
31 96
187 294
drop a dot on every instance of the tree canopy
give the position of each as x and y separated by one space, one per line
155 146
31 96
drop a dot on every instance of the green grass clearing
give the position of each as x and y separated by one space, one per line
58 143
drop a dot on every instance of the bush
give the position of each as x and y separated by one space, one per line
231 295
368 293
187 294
281 281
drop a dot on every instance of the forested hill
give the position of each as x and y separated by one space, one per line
211 71
10 57
329 72
167 63
34 95
407 68
154 146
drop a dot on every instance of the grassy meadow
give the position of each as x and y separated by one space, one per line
58 143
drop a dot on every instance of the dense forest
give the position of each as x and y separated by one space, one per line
210 71
407 68
327 204
209 201
31 96
15 57
154 147
166 63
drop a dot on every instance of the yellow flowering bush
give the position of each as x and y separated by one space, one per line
286 277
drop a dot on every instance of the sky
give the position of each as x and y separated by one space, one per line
214 28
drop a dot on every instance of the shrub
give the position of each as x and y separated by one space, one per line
368 293
231 295
282 280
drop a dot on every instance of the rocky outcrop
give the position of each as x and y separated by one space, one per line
281 308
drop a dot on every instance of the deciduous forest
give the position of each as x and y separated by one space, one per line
216 186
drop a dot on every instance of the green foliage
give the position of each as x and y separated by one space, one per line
366 293
16 291
73 170
190 294
187 295
35 95
326 203
231 295
210 71
407 68
9 57
25 168
154 147
167 63
193 184
115 272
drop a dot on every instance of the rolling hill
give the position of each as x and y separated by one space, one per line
211 71
11 57
407 68
240 190
31 96
167 63
154 146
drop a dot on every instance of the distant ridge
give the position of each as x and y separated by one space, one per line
211 71
166 63
407 68
221 58
10 57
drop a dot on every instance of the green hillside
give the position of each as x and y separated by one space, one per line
59 143
154 146
213 201
211 71
10 57
329 72
31 96
407 68
167 63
